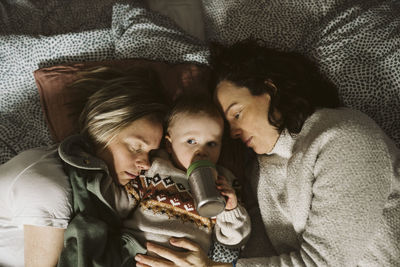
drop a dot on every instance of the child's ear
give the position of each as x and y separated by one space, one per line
168 145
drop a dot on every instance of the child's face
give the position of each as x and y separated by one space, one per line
194 135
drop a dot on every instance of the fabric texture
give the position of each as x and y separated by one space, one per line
25 198
355 43
186 13
330 196
164 207
220 253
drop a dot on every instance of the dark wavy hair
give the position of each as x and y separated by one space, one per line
294 82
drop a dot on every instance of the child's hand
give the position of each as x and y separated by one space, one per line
227 191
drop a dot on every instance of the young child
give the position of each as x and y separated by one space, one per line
164 204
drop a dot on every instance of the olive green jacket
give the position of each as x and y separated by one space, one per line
94 236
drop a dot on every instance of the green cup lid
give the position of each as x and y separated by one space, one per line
197 164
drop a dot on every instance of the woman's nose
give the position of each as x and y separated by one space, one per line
143 163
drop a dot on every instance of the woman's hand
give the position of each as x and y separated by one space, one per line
227 191
194 256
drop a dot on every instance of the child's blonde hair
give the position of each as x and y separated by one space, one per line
200 103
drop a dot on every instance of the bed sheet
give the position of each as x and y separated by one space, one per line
356 44
22 125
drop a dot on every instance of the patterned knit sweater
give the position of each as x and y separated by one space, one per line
162 206
329 196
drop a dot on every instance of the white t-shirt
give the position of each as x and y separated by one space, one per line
34 190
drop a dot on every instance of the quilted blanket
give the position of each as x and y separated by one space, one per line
356 44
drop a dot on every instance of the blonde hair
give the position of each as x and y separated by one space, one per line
114 99
193 103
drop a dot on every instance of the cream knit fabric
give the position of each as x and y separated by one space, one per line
231 228
330 196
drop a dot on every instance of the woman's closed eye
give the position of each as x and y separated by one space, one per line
136 149
212 144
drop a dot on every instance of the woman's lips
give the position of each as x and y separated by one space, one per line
248 141
131 175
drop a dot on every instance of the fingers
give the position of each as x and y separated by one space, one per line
221 181
222 178
149 261
227 191
164 252
228 194
224 186
166 257
184 243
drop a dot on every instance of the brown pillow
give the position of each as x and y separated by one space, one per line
54 95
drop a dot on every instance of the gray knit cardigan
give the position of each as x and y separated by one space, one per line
329 196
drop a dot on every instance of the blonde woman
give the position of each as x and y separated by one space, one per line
120 124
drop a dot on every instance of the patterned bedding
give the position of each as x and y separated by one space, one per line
356 43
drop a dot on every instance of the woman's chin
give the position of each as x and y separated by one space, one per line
260 150
123 181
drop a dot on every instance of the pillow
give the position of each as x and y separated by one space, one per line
187 14
54 96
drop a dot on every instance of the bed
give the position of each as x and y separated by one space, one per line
356 44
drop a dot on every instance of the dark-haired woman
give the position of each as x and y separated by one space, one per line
328 178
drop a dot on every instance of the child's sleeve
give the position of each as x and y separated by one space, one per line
232 227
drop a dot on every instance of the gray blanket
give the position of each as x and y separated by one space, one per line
356 43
